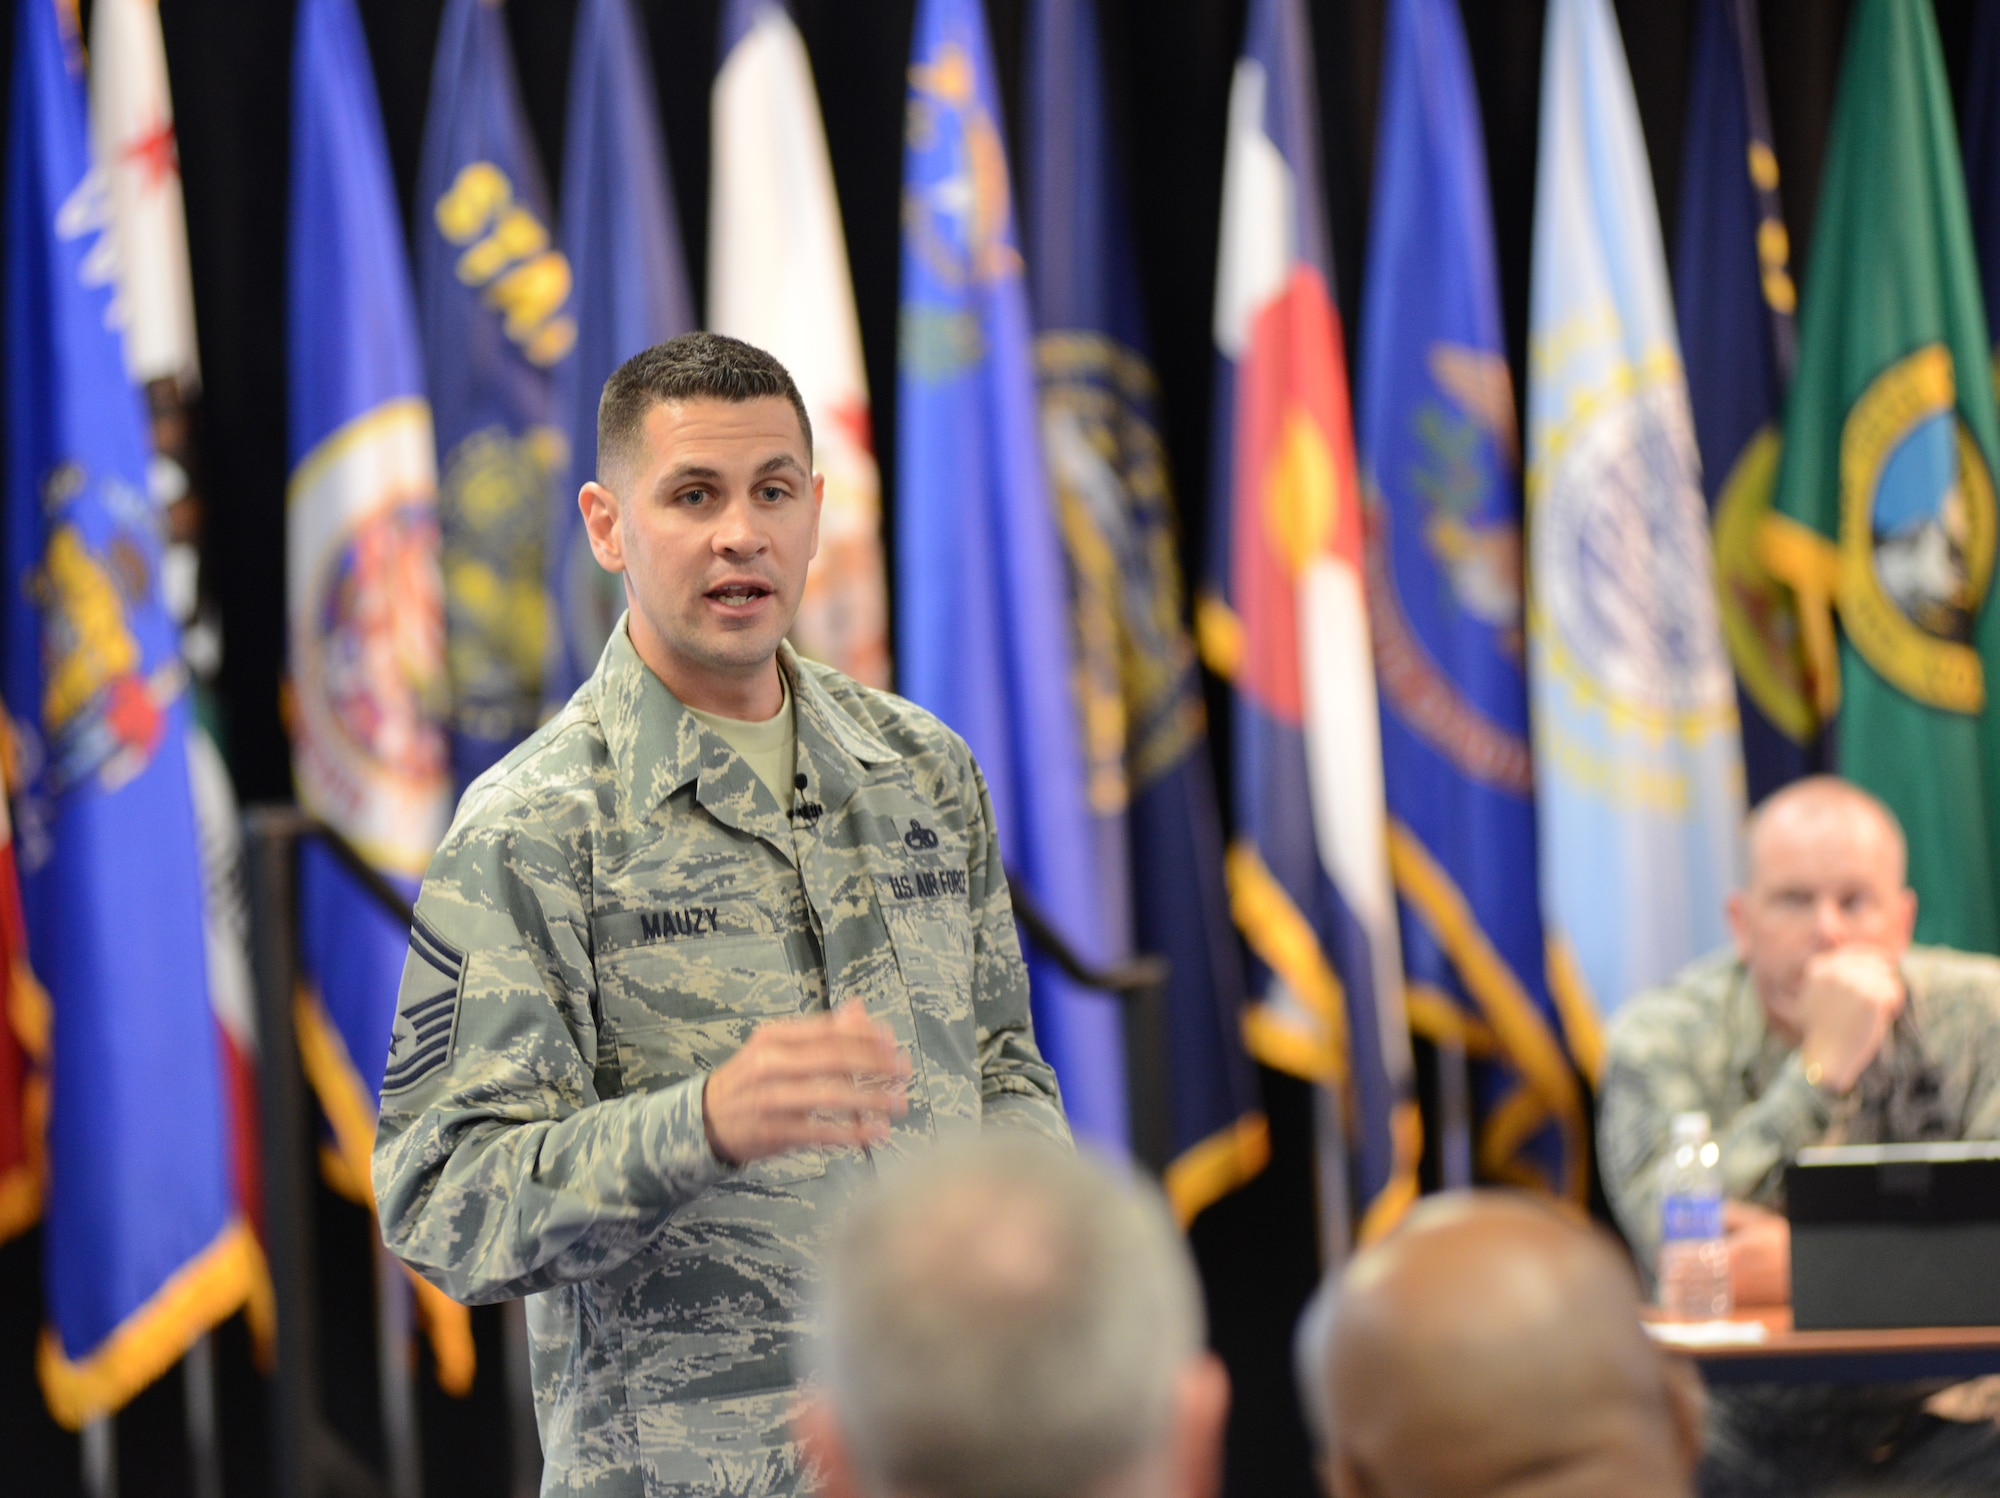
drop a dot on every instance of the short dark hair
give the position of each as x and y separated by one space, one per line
694 366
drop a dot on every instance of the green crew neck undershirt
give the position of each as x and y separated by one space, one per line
771 747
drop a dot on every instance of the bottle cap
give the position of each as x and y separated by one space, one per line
1690 1126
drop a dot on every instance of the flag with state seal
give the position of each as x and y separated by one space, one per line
493 290
132 125
982 598
1152 794
1441 482
1638 763
1734 298
1285 621
364 602
623 241
1885 505
143 1247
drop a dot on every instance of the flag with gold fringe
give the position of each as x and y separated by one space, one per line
1285 621
143 1247
1152 796
132 124
364 601
1441 481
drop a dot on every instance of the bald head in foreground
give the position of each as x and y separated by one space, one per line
1492 1347
1002 1319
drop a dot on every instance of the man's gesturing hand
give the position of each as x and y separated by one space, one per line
825 1079
1850 998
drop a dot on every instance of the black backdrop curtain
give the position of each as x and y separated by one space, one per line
1170 63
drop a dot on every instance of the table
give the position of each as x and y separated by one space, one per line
1844 1357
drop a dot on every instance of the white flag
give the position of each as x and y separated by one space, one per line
784 287
132 126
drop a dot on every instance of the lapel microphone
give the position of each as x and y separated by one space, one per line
810 811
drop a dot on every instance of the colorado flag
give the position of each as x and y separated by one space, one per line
1286 622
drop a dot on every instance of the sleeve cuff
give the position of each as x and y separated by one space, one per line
1801 1108
674 1143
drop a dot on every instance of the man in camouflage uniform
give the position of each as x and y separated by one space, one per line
1823 1026
682 975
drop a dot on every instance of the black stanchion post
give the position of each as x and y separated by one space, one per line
307 1459
271 839
1149 1070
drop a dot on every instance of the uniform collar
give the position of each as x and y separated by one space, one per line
657 746
835 749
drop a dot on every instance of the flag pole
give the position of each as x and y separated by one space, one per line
204 1451
400 1436
100 1459
1454 1091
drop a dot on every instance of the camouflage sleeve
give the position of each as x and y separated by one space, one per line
498 1169
1969 1046
1017 1088
1653 1070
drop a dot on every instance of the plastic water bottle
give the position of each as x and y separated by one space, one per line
1694 1258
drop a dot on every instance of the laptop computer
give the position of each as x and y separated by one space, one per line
1891 1235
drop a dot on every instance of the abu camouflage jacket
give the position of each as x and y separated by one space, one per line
1700 1043
617 905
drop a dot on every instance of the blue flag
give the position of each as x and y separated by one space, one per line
1639 769
1441 477
1285 623
143 1250
623 241
1735 298
982 599
365 604
1152 799
497 320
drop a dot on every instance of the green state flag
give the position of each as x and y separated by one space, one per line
1884 502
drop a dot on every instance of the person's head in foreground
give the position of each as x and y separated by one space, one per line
1003 1319
1490 1346
1824 912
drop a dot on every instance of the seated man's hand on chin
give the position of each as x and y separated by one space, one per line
1850 998
1760 1255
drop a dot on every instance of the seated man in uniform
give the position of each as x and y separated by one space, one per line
1000 1320
681 975
1823 1025
1491 1348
